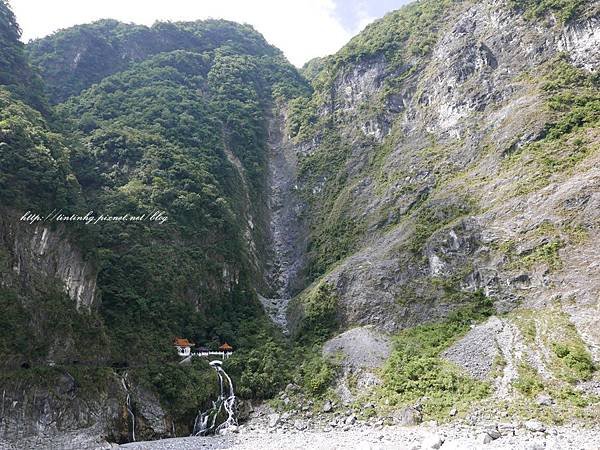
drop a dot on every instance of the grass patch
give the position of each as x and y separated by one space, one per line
529 383
572 97
569 359
575 359
316 375
546 253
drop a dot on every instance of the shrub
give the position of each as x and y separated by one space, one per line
320 314
415 369
577 358
316 375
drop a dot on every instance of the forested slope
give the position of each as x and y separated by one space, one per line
172 119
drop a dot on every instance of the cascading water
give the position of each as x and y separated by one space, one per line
130 413
206 421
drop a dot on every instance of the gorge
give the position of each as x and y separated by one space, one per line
408 223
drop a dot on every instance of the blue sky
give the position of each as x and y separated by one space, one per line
355 14
303 29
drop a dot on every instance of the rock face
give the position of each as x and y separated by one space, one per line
442 194
582 41
287 228
31 414
31 411
444 165
37 254
409 417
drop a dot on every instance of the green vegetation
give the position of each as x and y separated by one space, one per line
91 384
34 161
576 358
15 73
400 35
545 243
180 126
318 315
528 382
183 390
573 101
157 137
416 372
263 369
573 94
568 403
45 325
570 360
433 216
335 231
563 9
311 68
74 59
546 253
316 375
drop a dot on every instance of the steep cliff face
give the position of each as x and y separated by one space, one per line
428 187
287 225
39 255
448 167
79 410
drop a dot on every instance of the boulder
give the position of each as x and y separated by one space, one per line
409 417
300 425
506 429
432 441
274 420
484 438
536 445
493 432
535 426
245 409
544 400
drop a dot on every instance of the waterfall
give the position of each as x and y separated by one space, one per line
206 421
130 413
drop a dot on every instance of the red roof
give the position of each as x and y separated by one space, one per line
181 342
225 347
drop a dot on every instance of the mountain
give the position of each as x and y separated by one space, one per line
16 74
74 59
180 129
410 221
448 159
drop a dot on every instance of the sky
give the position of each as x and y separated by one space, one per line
302 29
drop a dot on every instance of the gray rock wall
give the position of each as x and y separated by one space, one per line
36 254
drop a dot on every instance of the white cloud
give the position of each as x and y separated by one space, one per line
362 15
302 29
